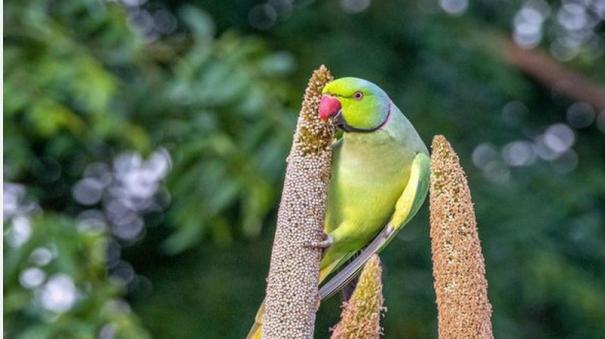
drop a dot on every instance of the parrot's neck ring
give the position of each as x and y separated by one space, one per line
340 121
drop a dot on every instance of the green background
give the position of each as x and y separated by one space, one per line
101 97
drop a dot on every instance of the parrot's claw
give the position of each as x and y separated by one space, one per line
321 244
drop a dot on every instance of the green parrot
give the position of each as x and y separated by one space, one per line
379 180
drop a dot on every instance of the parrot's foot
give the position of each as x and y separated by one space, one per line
321 244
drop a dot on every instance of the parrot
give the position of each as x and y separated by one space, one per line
379 180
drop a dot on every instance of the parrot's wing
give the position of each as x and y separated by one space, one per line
407 205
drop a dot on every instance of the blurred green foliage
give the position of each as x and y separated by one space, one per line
82 94
77 301
217 84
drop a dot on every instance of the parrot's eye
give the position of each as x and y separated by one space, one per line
358 95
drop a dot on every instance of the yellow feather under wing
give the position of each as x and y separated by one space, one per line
414 193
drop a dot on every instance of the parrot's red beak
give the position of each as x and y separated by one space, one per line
328 107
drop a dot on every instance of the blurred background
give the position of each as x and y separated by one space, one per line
145 144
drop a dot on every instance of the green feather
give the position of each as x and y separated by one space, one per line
367 111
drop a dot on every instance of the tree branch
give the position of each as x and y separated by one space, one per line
543 68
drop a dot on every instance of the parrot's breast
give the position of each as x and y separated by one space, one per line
368 176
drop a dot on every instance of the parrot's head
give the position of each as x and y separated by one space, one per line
356 105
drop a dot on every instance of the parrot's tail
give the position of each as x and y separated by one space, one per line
256 332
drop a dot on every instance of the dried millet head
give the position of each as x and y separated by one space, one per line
458 265
313 135
360 317
292 294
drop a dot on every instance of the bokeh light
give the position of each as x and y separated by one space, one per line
92 220
126 191
107 332
580 115
514 112
570 28
19 231
164 22
262 16
32 277
88 191
58 294
283 8
484 154
572 16
519 153
41 256
15 203
133 3
497 171
454 7
150 21
566 162
487 158
559 138
527 25
123 271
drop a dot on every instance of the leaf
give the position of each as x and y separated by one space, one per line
200 23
